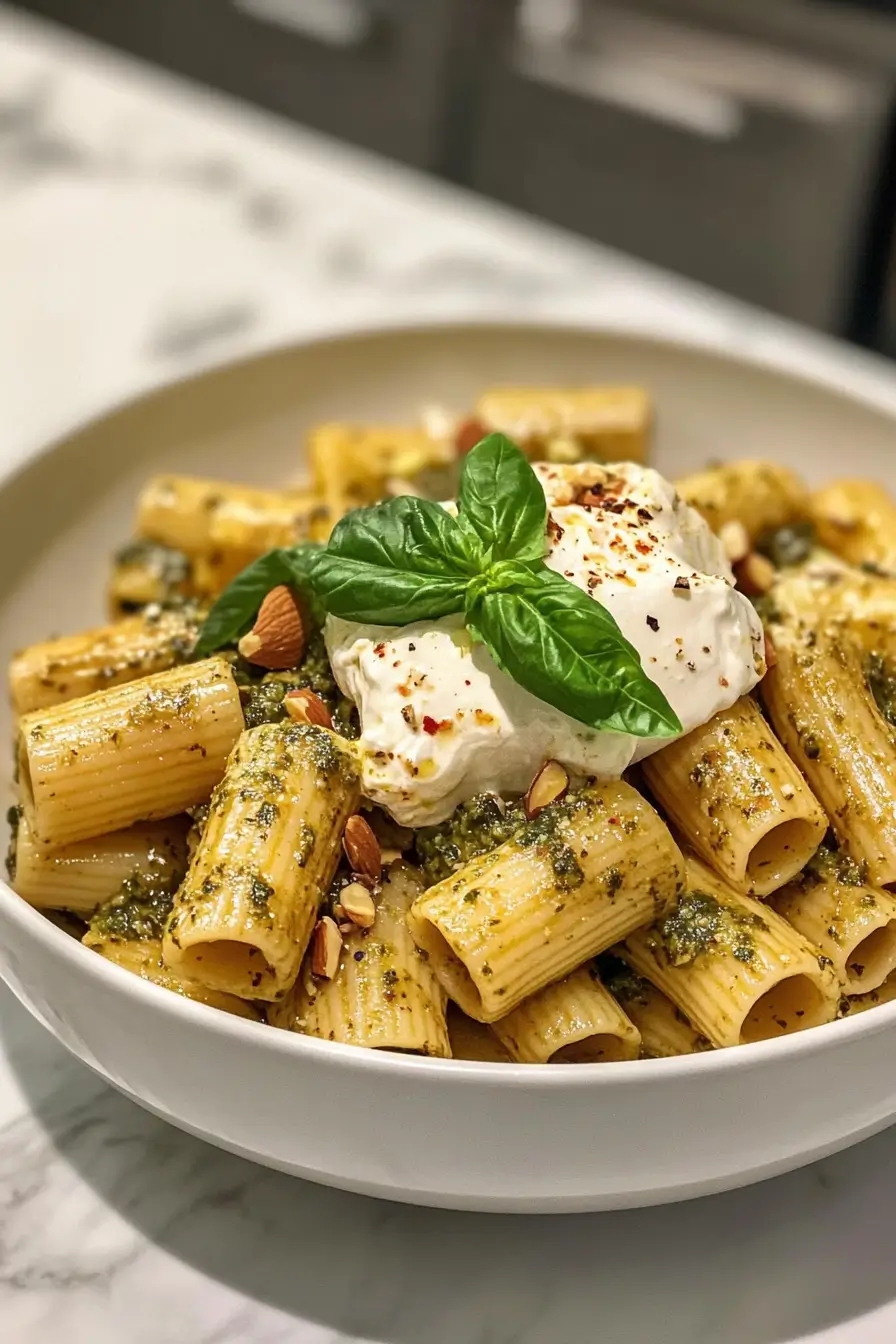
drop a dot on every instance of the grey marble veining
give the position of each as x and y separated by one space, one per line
145 231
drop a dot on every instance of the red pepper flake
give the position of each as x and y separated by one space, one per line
723 681
433 726
614 821
412 648
467 683
642 548
682 582
379 650
653 623
555 531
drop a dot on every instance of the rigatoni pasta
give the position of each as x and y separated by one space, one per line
852 924
383 995
81 876
574 1021
473 1040
77 665
571 883
665 1031
856 519
568 424
544 846
759 495
243 916
144 750
731 788
735 968
824 714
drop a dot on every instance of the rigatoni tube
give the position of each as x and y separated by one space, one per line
574 1021
611 424
730 787
665 1031
735 968
384 995
758 494
853 924
149 749
824 714
81 876
575 880
201 517
243 917
144 958
77 665
473 1040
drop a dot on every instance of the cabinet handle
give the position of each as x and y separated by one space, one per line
343 24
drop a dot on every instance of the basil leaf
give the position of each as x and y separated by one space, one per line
394 563
567 649
501 502
235 610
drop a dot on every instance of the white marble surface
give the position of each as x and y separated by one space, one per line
147 230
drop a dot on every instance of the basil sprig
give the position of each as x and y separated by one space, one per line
410 560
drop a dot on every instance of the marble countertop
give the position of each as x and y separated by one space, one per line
148 229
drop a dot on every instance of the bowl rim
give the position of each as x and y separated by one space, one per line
860 378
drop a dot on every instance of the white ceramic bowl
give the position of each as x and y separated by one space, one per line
460 1135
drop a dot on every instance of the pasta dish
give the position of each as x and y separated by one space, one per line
488 743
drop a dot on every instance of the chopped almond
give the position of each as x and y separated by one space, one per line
306 707
326 948
548 786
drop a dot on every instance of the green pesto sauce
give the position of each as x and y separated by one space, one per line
788 545
881 677
260 892
13 817
304 844
137 912
262 693
829 864
620 980
164 705
322 749
167 569
566 867
700 923
476 827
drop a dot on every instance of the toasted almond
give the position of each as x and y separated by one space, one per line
755 574
771 658
277 640
306 707
326 947
468 434
358 905
362 848
548 786
735 539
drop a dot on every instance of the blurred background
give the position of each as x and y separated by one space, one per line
748 144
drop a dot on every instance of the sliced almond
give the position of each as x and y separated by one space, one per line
326 948
735 539
357 903
362 849
306 707
278 639
755 574
548 786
